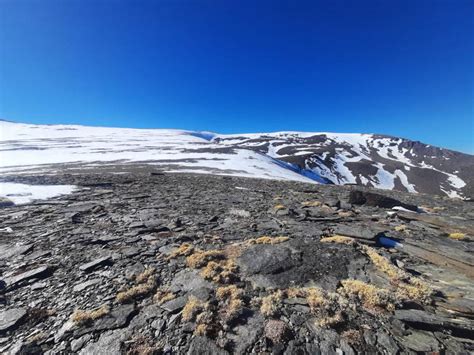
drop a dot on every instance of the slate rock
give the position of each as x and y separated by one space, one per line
11 318
109 342
245 335
38 273
359 232
175 305
188 280
94 264
7 251
83 285
204 346
117 318
357 197
421 341
5 202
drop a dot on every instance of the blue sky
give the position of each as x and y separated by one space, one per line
403 68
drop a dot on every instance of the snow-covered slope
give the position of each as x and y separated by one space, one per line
365 159
25 146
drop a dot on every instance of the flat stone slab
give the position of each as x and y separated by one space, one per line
83 285
10 318
7 251
95 264
175 305
40 272
357 232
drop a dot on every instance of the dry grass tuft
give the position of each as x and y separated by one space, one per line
201 313
279 207
271 304
324 305
415 290
135 291
408 287
162 296
193 307
200 258
401 228
340 239
185 249
143 277
141 345
331 321
267 240
145 285
224 271
383 264
316 299
201 329
233 303
311 203
371 297
457 236
84 317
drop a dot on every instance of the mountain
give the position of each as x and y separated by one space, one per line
332 158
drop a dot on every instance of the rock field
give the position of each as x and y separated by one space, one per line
143 262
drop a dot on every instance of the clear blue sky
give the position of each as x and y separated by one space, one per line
401 67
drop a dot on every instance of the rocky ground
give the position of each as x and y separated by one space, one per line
143 262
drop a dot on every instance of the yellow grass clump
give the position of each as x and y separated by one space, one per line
145 285
370 296
311 203
162 296
232 297
224 271
200 258
401 228
193 307
279 207
184 249
330 321
143 277
315 298
135 291
457 236
271 304
414 290
383 264
267 240
83 317
340 239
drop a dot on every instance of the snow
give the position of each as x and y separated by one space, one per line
403 178
383 179
22 193
34 146
25 148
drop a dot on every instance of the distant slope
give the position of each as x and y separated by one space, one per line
370 160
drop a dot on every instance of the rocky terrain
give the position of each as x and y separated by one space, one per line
145 262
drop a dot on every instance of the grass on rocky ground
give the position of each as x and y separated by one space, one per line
145 285
340 239
81 317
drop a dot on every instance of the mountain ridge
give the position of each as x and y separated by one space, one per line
374 160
